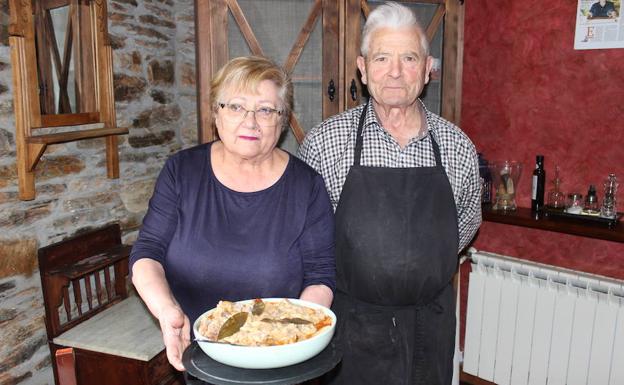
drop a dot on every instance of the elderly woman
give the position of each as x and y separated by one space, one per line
237 218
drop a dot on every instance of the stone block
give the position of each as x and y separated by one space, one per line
146 32
161 97
129 2
187 74
158 11
8 175
116 42
108 199
151 139
7 142
130 60
161 72
160 115
136 194
128 87
157 21
53 166
18 257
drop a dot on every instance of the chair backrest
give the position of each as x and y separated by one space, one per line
81 276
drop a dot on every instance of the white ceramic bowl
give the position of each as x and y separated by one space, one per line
267 357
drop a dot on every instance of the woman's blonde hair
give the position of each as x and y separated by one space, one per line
244 74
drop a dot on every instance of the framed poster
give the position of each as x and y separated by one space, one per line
599 24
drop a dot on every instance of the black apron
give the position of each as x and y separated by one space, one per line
396 254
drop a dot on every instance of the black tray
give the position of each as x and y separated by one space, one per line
559 214
204 368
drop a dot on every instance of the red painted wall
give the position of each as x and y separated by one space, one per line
526 91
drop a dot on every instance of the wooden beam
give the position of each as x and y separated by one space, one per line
332 61
70 136
436 20
52 4
352 38
35 151
302 38
245 28
60 120
211 49
112 156
44 62
452 65
25 177
296 129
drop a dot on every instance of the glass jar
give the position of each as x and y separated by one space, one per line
505 177
575 203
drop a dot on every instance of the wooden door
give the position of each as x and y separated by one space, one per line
301 35
443 22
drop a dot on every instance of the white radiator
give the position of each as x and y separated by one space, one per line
530 324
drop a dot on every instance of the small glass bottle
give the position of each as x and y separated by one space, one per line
591 206
556 198
609 206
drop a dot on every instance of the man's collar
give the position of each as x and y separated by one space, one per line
372 121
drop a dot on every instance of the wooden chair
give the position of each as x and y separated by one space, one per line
95 329
66 366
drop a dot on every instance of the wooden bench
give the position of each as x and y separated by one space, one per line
104 335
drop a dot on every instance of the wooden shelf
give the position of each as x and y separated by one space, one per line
524 217
62 137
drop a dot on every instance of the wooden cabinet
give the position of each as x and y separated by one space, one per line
318 41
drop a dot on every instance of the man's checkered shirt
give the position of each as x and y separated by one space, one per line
329 149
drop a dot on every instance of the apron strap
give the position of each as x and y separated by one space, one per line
436 151
359 141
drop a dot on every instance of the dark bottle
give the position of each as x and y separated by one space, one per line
486 180
539 181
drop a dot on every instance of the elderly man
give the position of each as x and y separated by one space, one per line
405 187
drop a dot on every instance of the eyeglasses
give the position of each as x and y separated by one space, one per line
236 113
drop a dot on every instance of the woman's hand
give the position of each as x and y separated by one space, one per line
320 294
175 328
149 279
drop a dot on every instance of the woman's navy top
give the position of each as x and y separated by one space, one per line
218 244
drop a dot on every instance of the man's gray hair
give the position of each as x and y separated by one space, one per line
391 15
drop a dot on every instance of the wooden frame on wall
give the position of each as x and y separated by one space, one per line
33 50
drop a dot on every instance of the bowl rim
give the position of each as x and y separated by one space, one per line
314 305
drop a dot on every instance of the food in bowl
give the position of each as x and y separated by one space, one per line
262 323
266 357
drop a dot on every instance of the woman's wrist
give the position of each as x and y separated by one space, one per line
319 294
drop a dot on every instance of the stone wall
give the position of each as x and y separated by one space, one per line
154 72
